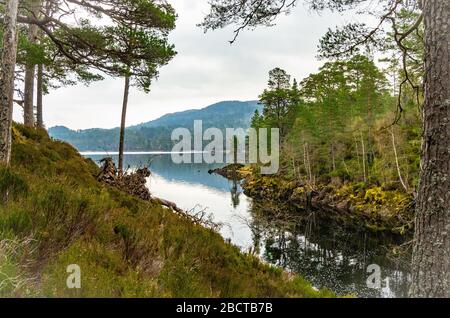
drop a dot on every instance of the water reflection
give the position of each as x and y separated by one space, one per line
330 257
325 254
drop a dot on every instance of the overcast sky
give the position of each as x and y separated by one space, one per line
206 70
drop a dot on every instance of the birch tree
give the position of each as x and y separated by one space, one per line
8 62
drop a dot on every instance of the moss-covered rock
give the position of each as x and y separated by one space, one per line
354 205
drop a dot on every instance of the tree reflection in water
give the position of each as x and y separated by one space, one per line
328 255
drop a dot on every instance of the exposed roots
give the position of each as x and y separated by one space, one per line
135 184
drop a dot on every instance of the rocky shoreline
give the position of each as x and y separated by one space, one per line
353 206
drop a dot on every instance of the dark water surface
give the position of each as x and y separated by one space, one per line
327 256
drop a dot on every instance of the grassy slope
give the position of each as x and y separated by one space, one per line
57 214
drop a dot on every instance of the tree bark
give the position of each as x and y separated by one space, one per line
363 157
39 102
307 162
7 67
431 253
28 96
123 123
356 150
30 70
333 159
399 172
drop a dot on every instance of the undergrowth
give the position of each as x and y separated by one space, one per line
54 214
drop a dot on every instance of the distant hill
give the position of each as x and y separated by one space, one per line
155 134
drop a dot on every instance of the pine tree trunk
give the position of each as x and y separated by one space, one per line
7 67
28 96
431 254
123 123
39 102
30 71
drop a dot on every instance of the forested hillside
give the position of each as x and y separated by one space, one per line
342 147
156 134
345 129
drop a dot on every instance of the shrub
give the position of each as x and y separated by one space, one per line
11 184
376 195
16 220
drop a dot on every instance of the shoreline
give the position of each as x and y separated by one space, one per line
349 205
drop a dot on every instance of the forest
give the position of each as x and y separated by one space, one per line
156 134
364 143
337 130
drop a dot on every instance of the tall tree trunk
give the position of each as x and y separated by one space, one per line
7 67
356 150
123 123
297 173
39 102
333 159
399 172
363 148
431 253
28 104
30 70
307 162
369 149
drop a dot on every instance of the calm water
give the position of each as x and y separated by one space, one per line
326 255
